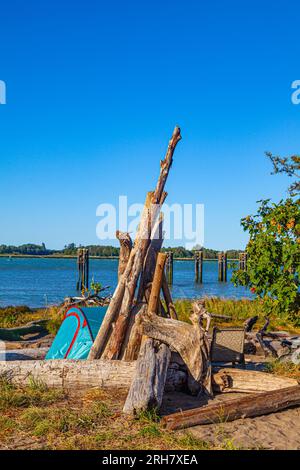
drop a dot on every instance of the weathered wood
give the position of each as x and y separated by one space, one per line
82 375
124 295
146 391
71 374
157 282
189 341
135 333
169 267
248 381
168 298
245 407
125 249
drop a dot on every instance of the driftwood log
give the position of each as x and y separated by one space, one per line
120 374
245 407
147 388
122 300
248 381
83 375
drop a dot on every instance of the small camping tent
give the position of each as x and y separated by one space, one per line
77 333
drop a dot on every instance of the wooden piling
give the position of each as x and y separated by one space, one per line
198 266
243 261
169 267
225 266
196 256
222 266
83 269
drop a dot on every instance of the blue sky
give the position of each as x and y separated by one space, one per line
95 88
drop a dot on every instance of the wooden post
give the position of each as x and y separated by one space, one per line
196 256
87 268
199 266
169 267
220 266
243 261
225 266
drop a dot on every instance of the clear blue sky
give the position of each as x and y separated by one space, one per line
94 89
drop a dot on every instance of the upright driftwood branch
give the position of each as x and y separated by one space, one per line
157 282
122 299
133 337
125 249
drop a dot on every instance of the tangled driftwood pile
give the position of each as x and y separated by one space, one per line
143 348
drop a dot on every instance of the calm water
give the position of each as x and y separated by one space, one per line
38 282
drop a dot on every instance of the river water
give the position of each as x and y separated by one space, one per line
38 282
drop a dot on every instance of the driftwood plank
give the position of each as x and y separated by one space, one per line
246 407
146 391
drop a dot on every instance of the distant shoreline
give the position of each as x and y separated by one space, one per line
93 257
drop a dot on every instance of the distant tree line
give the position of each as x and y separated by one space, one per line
27 249
103 250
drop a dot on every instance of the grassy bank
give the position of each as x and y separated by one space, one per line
238 310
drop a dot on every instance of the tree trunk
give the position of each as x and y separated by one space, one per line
125 249
146 391
246 407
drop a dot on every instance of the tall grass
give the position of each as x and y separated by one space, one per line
237 309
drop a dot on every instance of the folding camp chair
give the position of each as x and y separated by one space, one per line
228 345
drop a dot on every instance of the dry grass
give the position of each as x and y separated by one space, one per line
284 369
239 310
11 317
38 418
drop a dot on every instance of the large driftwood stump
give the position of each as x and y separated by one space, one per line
146 391
245 407
189 341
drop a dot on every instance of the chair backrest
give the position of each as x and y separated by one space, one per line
228 345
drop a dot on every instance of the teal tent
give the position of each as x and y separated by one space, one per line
77 333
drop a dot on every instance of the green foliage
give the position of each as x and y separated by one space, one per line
273 267
28 249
